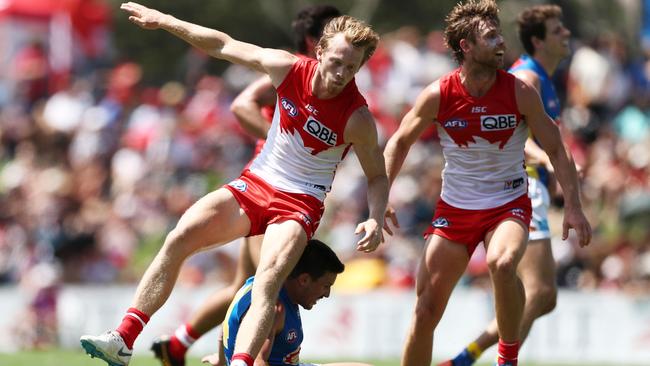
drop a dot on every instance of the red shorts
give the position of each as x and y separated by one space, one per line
470 227
265 205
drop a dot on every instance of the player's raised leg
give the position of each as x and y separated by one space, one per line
214 219
281 249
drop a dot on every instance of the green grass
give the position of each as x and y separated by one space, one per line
78 358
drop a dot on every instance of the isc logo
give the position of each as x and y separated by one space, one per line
498 122
289 107
320 131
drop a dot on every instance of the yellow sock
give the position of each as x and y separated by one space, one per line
474 350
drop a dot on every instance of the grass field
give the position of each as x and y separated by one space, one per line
72 358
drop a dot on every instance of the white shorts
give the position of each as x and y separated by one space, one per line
540 200
308 364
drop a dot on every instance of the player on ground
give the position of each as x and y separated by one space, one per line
546 42
309 281
320 114
253 107
483 115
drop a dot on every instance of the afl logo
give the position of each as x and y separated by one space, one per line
289 107
292 336
456 124
239 185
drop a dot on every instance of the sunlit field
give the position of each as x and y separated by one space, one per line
72 358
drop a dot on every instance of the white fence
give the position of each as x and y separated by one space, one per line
585 328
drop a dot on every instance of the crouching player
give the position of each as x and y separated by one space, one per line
309 281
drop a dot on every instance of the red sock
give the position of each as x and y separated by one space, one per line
507 352
131 326
241 359
182 340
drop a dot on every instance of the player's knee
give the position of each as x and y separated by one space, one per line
543 297
427 312
503 265
176 244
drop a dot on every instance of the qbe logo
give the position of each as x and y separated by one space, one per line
239 185
289 107
320 131
498 122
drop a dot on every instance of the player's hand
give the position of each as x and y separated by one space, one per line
373 235
390 215
575 219
214 360
142 16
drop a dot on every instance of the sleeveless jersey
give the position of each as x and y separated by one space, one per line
549 99
482 141
267 113
305 143
286 345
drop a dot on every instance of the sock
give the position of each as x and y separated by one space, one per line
474 350
131 326
241 359
468 356
182 340
507 353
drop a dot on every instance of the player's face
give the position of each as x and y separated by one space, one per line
489 48
338 63
316 289
556 42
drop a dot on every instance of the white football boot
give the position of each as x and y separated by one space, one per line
108 346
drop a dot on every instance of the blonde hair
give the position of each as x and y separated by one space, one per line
357 32
463 22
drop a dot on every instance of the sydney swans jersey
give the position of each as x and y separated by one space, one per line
305 143
286 344
483 144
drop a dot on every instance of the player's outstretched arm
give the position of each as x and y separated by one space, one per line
548 135
275 63
361 131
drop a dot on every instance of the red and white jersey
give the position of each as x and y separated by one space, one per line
483 143
305 143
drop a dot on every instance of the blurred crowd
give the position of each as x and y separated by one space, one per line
96 167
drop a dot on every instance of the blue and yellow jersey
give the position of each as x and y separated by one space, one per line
286 345
549 99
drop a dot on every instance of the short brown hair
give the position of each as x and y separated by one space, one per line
357 32
532 23
463 22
